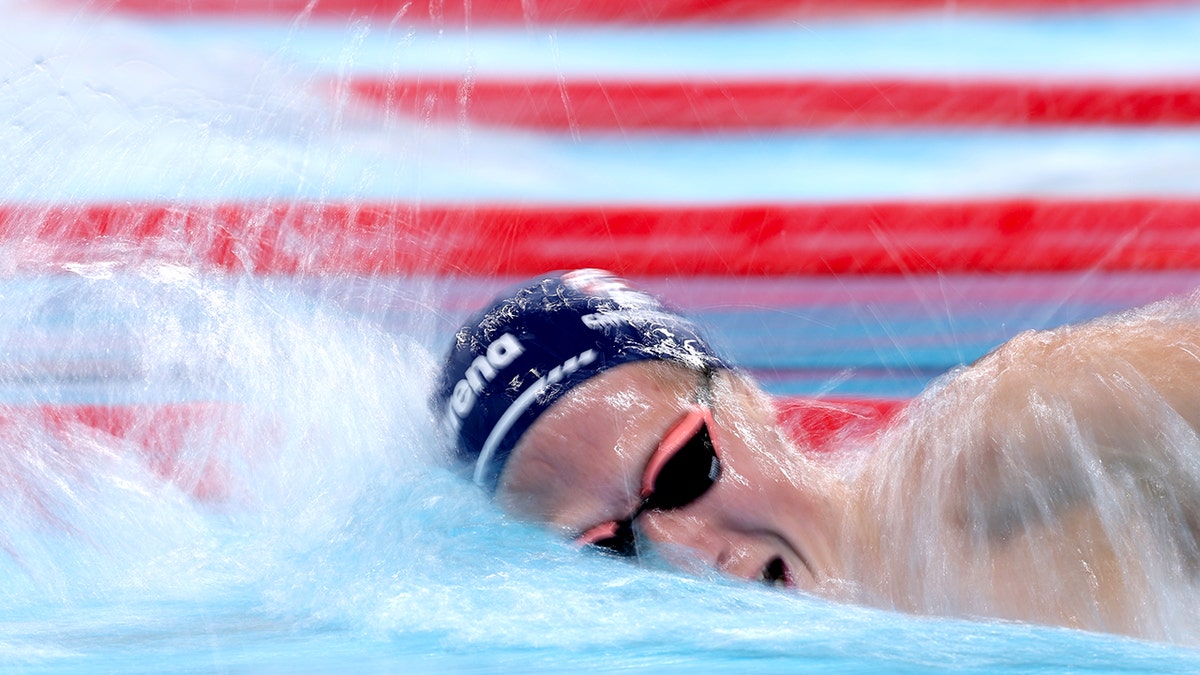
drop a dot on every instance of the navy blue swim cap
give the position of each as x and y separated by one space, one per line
513 360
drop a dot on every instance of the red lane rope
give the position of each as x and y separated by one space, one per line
729 105
179 442
386 238
189 443
602 11
819 424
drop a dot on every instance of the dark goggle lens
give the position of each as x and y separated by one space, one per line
687 475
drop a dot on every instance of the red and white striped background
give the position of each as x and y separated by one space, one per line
370 235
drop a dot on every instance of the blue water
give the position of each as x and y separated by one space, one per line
344 544
352 547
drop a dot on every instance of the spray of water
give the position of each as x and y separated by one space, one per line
227 422
1057 480
194 458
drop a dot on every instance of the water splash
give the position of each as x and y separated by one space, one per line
303 519
1073 501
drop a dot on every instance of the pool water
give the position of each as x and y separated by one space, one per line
307 522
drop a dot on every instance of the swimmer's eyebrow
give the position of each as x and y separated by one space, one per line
683 441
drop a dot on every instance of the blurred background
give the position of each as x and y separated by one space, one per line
235 235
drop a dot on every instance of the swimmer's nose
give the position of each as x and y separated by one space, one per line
687 539
676 532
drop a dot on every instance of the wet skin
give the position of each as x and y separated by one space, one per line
1056 480
582 463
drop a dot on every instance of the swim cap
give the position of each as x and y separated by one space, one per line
513 360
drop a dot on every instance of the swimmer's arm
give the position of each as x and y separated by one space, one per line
1109 374
1032 422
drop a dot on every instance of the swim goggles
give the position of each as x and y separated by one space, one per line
683 467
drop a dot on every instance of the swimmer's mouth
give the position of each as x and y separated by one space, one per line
776 574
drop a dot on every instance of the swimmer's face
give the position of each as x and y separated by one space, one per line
760 512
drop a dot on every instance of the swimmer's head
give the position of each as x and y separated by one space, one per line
516 358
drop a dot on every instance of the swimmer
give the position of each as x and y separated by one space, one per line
1056 480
